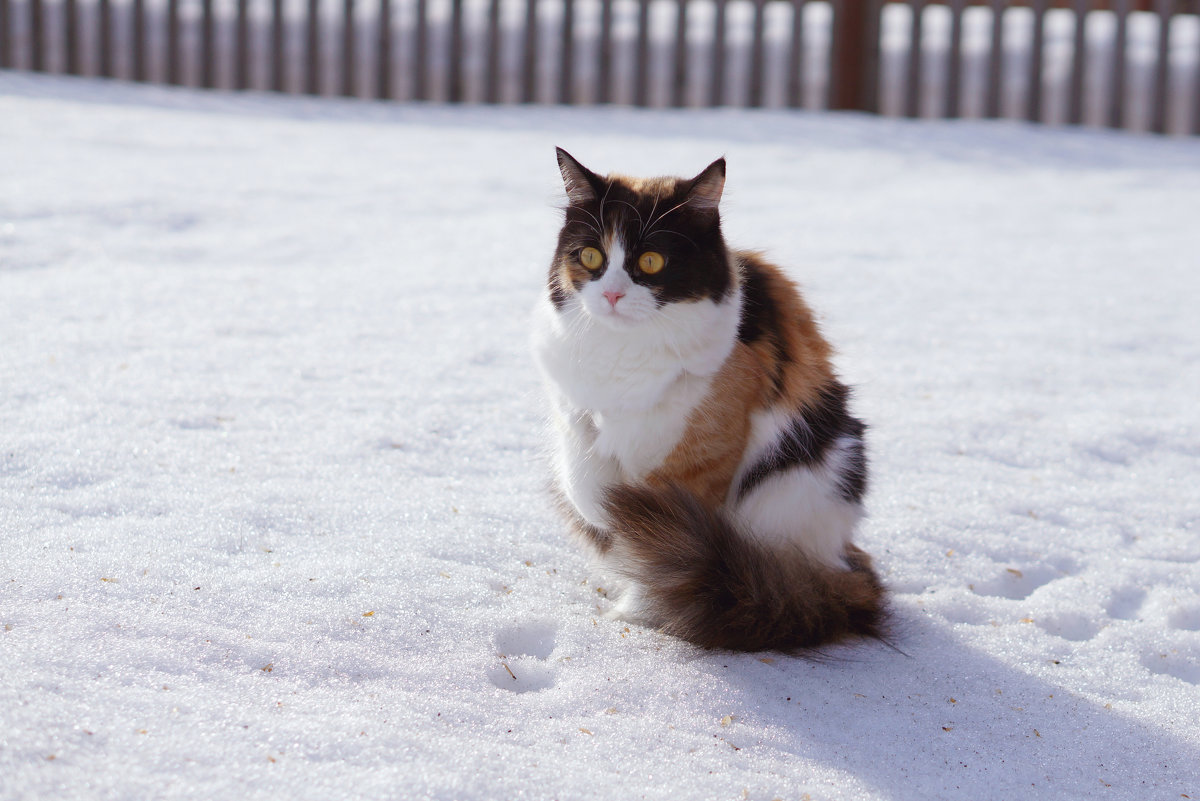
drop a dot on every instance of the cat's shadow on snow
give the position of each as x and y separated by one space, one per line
943 718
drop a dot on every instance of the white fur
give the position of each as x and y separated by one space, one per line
625 387
802 506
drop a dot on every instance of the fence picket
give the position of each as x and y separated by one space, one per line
995 83
717 92
566 55
1078 63
679 60
1033 111
312 48
5 35
912 98
454 92
642 56
1165 9
208 67
954 59
420 89
383 55
529 54
604 95
104 34
139 41
241 67
492 93
71 35
349 85
757 57
795 86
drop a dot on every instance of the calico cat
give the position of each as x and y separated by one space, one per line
704 447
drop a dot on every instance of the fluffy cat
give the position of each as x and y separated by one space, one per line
704 449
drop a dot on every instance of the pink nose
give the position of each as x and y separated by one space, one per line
613 297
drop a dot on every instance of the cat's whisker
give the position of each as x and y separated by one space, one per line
587 224
659 218
641 222
677 233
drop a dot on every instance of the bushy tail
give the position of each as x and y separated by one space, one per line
700 580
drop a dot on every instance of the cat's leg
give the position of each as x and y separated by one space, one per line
583 474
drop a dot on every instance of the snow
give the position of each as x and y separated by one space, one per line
272 493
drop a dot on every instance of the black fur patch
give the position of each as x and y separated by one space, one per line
808 439
761 321
760 315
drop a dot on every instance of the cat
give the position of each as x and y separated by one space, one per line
704 449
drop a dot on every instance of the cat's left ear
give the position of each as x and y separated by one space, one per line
580 182
705 191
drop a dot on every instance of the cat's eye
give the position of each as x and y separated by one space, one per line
650 262
591 258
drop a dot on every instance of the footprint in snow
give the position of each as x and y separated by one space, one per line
1183 663
522 654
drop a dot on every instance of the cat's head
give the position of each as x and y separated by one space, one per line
631 246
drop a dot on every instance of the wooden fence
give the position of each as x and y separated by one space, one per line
791 53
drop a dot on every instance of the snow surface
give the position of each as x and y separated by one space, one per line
271 491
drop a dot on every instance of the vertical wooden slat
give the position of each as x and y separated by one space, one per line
492 93
605 94
566 61
912 95
1116 109
995 84
241 79
529 56
277 45
383 53
455 90
1165 9
312 49
5 27
757 57
855 55
717 94
173 76
642 55
1033 109
103 33
795 86
349 52
680 55
1196 92
1078 64
420 89
139 40
71 36
208 58
954 60
37 55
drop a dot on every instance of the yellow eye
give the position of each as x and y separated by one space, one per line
591 258
650 262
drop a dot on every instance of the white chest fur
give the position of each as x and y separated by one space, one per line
638 383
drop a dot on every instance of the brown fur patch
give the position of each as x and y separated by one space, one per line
791 349
718 589
787 366
707 457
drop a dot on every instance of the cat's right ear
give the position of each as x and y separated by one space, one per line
581 183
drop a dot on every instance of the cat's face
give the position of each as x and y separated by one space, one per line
631 247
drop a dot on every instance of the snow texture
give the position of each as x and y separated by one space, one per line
272 487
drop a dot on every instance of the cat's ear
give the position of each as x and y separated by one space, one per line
705 192
582 184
